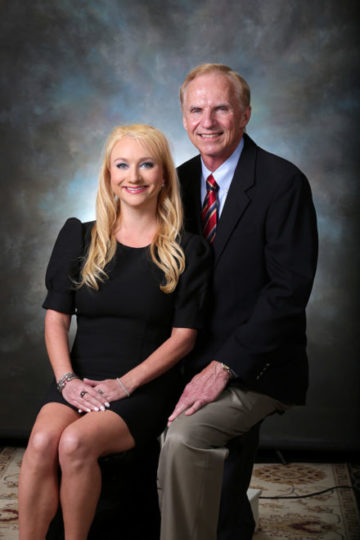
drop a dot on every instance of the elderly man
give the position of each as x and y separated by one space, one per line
250 361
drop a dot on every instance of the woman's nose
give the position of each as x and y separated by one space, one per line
134 175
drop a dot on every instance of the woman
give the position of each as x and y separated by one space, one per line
137 287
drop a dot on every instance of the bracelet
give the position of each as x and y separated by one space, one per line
62 382
123 387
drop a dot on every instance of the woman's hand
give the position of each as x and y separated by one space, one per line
110 389
84 397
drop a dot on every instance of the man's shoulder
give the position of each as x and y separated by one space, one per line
270 161
276 174
191 165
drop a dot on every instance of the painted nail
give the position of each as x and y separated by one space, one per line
107 404
102 408
79 411
96 409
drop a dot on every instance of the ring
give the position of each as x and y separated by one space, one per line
82 394
101 392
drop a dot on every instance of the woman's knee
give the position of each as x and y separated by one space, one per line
43 445
74 448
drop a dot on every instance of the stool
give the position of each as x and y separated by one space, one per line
236 519
128 505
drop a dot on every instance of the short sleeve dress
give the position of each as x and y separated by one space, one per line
123 322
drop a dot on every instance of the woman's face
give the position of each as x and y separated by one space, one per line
136 177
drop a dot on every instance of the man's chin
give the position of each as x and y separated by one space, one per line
209 148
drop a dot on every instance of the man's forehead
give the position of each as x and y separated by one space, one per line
214 87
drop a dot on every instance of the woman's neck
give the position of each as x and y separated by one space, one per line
135 229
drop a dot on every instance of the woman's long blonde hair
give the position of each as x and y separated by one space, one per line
165 250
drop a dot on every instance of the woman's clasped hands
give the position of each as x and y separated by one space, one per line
84 397
89 395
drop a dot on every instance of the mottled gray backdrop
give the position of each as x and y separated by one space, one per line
70 71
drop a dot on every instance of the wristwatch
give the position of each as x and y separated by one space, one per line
231 372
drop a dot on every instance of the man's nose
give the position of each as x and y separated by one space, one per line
208 119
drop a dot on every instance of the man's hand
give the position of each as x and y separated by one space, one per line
204 388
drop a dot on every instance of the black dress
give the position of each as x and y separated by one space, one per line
123 322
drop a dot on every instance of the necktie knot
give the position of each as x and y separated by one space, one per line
211 184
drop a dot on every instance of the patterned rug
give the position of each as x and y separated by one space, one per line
329 515
332 515
10 461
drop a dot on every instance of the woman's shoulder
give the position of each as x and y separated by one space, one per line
73 237
74 223
74 229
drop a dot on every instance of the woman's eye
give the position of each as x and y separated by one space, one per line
147 165
121 165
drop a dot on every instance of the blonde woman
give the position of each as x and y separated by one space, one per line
137 285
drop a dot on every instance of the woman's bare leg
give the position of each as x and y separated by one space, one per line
38 483
94 435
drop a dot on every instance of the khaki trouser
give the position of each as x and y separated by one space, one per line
192 461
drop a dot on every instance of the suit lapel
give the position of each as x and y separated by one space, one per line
237 199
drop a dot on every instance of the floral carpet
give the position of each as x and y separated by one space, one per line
331 515
10 461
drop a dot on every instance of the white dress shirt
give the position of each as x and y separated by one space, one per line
223 176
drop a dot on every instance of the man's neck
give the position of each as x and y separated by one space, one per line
214 162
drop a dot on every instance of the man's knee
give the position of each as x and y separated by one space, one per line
186 432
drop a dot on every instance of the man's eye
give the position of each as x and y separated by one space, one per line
195 110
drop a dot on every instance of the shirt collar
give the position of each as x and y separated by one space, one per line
224 174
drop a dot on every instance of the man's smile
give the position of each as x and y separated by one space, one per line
210 135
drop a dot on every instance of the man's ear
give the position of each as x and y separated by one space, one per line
245 117
184 122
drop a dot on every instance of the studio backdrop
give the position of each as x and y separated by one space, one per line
71 71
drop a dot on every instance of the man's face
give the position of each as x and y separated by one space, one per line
213 117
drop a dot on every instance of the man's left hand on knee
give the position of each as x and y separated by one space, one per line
204 388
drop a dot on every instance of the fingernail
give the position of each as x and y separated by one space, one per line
102 408
79 411
88 410
107 404
96 409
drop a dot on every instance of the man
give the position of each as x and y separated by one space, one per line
250 361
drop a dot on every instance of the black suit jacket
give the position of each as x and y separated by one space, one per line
265 254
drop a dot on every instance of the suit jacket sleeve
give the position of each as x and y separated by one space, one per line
275 328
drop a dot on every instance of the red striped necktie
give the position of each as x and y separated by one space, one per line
210 209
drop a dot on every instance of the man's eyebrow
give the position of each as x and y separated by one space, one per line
216 106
